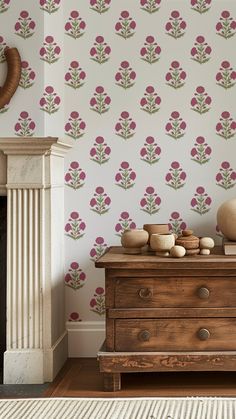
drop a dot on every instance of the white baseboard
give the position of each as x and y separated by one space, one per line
55 357
85 338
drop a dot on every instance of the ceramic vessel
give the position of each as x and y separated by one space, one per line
133 240
162 243
156 229
226 219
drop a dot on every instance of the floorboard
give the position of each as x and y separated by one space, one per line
81 378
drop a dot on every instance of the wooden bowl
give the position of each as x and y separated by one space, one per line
156 229
133 240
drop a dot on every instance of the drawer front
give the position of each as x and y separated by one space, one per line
176 335
175 292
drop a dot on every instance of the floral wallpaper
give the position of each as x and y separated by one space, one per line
146 90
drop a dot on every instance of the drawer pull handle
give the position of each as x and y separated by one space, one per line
203 293
144 335
203 334
145 294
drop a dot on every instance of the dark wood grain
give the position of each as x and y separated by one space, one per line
175 292
163 361
115 258
166 314
175 334
142 313
112 381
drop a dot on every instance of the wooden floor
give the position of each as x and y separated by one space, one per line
81 378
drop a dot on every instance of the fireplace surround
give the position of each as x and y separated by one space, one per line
32 177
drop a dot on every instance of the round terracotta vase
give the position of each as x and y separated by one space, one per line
133 240
226 219
162 243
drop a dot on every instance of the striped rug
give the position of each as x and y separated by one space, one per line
135 408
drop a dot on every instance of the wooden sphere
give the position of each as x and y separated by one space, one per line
207 243
205 252
226 219
177 251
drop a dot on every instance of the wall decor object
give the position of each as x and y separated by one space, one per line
13 75
226 219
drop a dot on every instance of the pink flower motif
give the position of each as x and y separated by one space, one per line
175 26
150 202
176 177
201 201
75 25
74 317
124 223
97 303
75 226
100 203
75 176
4 5
125 77
50 101
24 26
100 51
50 6
201 50
176 75
25 126
75 126
226 77
125 177
100 152
226 127
125 27
226 26
50 51
150 51
150 152
175 128
98 249
150 6
75 277
100 101
27 75
125 126
201 6
150 101
226 176
176 223
201 151
201 101
75 76
100 6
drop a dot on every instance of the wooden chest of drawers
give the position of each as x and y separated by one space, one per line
165 314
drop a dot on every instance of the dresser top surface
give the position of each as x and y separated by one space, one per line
115 258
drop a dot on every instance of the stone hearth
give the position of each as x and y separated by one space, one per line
32 177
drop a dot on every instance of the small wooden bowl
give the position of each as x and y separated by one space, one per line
156 229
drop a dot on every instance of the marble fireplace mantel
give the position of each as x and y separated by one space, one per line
32 177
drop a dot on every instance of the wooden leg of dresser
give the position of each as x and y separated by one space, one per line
112 381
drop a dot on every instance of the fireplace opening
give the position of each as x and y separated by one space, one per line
3 279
